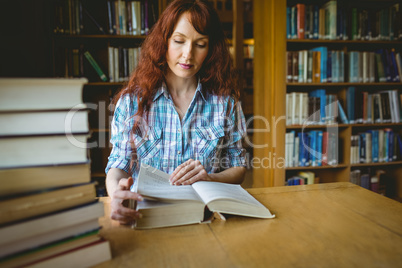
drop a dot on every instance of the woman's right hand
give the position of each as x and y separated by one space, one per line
118 211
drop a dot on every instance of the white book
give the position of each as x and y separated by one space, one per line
111 64
43 122
23 94
28 151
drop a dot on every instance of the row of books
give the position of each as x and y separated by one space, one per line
338 22
48 206
312 148
302 178
382 107
378 181
118 17
376 145
122 61
79 62
313 108
320 65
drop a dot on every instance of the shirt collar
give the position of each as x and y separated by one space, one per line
163 90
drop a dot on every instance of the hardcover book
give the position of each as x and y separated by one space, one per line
168 205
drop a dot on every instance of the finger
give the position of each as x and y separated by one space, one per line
184 170
189 174
180 167
201 176
123 195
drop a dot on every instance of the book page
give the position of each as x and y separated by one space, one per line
210 191
155 183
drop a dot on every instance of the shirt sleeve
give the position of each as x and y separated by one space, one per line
234 152
121 129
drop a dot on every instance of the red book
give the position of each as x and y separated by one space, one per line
325 148
301 15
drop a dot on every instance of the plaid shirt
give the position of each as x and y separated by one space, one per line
209 132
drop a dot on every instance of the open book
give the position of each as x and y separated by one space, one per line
167 205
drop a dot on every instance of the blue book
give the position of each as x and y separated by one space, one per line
398 137
320 93
323 62
315 21
390 137
313 148
335 66
302 148
374 145
288 22
386 145
350 103
319 147
342 114
329 66
341 68
293 22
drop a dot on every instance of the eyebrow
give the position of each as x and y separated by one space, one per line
203 37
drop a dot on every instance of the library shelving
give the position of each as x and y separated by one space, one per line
81 26
271 87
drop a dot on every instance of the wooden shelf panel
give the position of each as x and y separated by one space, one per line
340 84
99 36
321 167
324 41
394 163
345 125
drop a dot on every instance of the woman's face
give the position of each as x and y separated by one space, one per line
187 49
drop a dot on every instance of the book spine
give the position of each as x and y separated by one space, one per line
95 65
301 14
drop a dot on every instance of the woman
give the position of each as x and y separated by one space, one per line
179 112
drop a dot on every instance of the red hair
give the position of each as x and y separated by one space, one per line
216 75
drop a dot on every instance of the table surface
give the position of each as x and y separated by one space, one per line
320 225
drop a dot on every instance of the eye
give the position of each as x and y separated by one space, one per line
178 41
201 45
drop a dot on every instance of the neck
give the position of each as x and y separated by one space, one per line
180 86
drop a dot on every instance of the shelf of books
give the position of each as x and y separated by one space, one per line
100 40
344 94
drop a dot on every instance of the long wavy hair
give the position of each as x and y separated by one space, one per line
216 74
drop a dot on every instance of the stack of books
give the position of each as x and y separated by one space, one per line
48 207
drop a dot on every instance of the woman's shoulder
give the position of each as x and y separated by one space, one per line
127 102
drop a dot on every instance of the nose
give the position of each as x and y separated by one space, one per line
188 51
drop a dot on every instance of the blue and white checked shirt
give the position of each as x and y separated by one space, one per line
208 132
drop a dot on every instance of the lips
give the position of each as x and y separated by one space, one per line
185 66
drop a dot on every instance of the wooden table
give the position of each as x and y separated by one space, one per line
322 225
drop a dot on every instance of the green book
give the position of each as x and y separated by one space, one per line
95 65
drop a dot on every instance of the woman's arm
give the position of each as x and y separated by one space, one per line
192 171
118 185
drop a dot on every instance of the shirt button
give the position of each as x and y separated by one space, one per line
178 152
179 130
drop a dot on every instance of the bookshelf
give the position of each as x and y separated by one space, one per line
80 26
68 61
271 87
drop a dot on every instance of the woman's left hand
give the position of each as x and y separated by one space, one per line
188 173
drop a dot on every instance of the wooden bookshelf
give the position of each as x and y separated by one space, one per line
99 93
271 87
